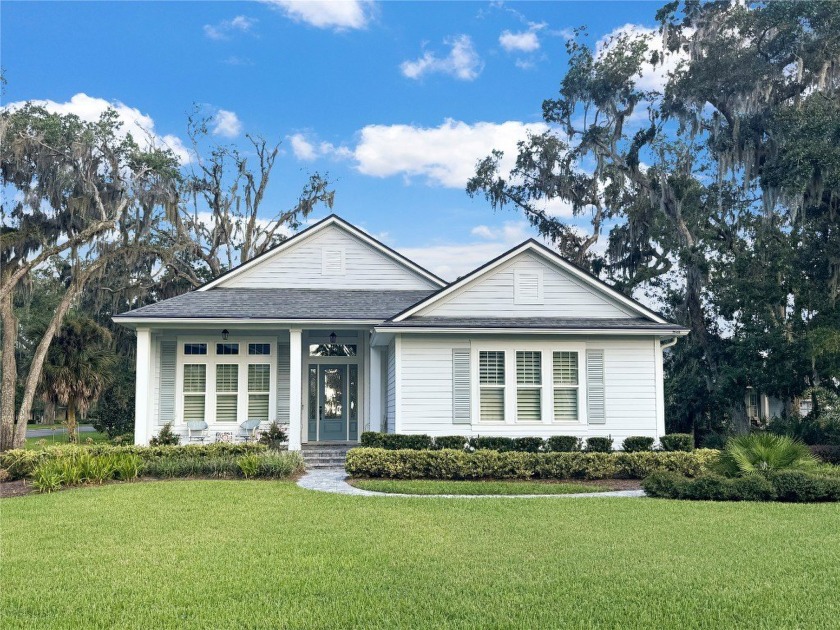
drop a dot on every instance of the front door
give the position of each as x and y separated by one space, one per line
332 402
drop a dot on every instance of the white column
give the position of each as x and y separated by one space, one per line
375 389
143 386
295 369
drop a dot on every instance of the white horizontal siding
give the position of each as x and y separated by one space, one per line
493 295
300 267
426 397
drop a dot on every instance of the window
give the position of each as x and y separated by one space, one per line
227 386
332 350
528 386
259 348
227 348
752 404
565 380
195 386
491 370
259 385
195 348
806 407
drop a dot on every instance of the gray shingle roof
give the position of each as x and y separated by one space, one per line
560 323
315 304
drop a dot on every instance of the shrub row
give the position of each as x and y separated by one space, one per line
488 464
554 444
21 463
783 485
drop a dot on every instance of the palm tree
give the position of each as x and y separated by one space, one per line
764 452
79 366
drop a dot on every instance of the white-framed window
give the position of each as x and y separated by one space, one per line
752 403
528 386
564 372
225 382
528 382
491 368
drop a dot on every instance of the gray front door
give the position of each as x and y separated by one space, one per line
332 402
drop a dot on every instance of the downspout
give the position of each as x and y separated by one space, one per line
668 344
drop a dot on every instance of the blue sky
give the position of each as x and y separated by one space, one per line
395 101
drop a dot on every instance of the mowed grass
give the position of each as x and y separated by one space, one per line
60 439
428 486
259 554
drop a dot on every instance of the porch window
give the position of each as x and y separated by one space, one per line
259 348
195 387
259 384
528 386
227 348
195 348
227 386
565 377
491 372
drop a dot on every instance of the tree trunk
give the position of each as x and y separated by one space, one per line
9 376
72 435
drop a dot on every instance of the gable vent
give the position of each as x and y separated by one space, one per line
527 287
332 262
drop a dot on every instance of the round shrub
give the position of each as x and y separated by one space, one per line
500 444
563 444
677 442
528 444
637 443
457 442
599 445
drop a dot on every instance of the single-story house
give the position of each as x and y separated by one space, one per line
332 333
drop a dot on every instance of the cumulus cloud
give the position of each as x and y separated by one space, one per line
226 124
308 150
652 78
139 125
226 28
338 15
462 61
526 41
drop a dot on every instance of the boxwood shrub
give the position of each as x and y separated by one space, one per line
458 442
491 443
677 442
528 444
563 444
599 445
828 453
637 443
790 486
490 464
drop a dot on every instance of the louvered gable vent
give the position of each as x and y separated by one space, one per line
333 261
527 287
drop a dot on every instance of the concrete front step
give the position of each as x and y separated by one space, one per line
325 455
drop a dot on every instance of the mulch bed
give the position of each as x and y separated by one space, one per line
14 489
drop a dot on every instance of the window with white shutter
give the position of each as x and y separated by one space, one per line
227 386
491 383
195 388
595 398
527 286
259 386
461 385
528 386
565 381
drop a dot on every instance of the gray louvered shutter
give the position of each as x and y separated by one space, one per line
166 409
595 401
460 385
282 383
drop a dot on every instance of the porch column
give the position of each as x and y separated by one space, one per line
375 389
295 367
143 390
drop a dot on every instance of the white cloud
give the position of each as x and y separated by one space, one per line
308 150
462 62
452 260
226 124
224 29
526 41
652 78
139 125
338 15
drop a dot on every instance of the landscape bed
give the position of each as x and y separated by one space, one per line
430 486
270 554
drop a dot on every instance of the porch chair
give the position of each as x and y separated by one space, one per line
249 429
196 431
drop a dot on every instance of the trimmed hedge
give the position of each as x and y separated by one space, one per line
637 443
677 442
599 445
21 463
789 486
489 464
828 453
458 442
563 444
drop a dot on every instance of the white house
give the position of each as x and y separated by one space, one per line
333 333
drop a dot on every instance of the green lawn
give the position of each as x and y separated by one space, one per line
60 439
427 486
259 554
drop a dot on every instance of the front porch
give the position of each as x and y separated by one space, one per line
323 385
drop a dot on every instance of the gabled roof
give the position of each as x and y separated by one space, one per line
552 257
286 304
332 220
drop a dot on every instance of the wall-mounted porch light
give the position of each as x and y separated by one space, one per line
225 334
333 337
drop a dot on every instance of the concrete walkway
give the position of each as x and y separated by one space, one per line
333 480
31 433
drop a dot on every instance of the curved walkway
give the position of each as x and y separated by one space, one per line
333 480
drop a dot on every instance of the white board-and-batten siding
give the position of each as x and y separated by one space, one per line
330 259
493 295
630 387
